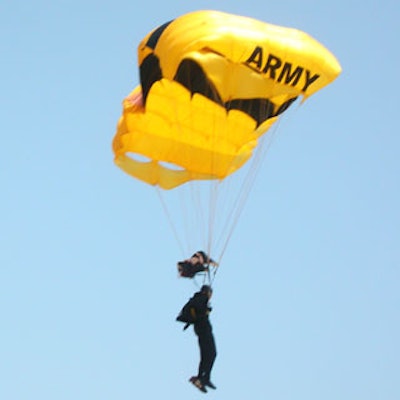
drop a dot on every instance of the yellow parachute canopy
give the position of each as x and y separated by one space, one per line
211 84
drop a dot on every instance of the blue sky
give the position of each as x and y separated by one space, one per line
306 302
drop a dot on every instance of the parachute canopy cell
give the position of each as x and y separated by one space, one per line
211 84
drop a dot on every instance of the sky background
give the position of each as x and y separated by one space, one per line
306 302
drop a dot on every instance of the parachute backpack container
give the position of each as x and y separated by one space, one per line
211 86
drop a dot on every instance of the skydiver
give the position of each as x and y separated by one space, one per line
198 310
199 262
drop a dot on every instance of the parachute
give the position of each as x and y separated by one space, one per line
211 85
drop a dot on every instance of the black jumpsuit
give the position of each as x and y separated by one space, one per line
203 330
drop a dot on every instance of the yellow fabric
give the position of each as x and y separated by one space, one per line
197 137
